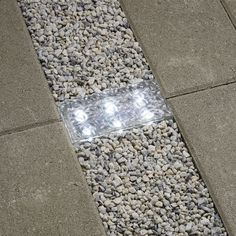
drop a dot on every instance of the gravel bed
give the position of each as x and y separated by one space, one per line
84 46
143 181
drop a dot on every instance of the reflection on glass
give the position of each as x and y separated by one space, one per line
117 123
147 115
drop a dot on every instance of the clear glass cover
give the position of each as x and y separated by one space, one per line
114 110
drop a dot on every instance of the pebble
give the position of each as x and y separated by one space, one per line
117 200
185 154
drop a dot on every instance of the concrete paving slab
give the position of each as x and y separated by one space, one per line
43 191
190 45
207 120
25 98
230 7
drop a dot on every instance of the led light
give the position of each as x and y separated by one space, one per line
110 108
147 115
80 116
88 130
117 123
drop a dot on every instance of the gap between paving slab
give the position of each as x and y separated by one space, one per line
230 8
43 190
206 115
207 120
25 98
190 45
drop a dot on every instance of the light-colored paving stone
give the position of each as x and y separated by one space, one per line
24 95
207 120
43 190
189 44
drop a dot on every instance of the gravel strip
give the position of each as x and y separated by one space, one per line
143 181
84 46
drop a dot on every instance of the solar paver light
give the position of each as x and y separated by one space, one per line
113 110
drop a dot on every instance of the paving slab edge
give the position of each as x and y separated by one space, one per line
228 12
78 178
138 39
35 57
27 127
25 96
78 167
200 169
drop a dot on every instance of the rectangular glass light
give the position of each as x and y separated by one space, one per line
113 110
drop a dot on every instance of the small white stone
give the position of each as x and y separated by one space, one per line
117 200
185 154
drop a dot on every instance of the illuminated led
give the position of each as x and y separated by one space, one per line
87 131
80 116
147 115
110 108
117 124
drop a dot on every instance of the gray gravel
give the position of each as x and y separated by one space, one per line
84 46
143 181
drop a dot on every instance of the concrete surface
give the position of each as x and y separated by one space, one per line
230 8
190 45
25 99
43 190
207 120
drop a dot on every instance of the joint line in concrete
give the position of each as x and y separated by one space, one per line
27 127
201 89
228 12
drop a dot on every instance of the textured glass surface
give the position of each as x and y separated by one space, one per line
113 110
